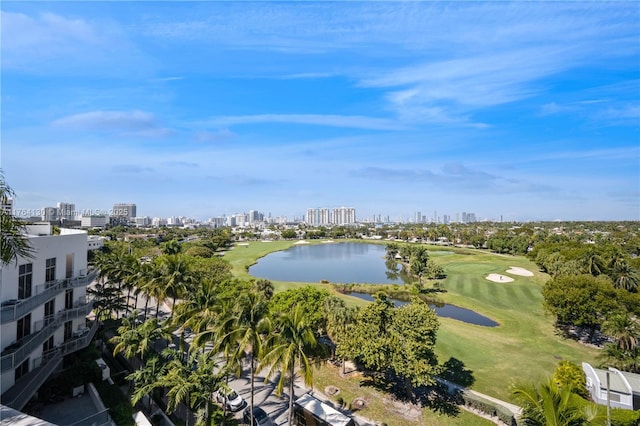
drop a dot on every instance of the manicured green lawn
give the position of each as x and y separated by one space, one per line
524 347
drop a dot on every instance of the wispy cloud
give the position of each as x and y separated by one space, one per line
48 42
219 136
130 169
349 121
135 122
453 176
176 163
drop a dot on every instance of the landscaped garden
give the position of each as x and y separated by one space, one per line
524 347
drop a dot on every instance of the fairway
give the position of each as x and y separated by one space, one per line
524 347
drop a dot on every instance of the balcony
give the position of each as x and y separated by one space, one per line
44 292
21 392
20 350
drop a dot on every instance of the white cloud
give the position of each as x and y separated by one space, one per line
48 42
349 121
135 122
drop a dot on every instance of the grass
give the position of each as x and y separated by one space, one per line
523 348
381 408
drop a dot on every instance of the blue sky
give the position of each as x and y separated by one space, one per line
527 110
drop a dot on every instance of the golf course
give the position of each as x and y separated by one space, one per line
524 347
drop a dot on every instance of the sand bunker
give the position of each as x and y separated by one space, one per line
499 278
301 242
516 270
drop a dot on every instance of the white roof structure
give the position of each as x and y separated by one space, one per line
323 411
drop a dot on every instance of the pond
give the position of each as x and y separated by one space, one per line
335 262
444 310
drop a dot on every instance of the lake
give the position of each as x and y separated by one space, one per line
348 263
445 310
335 262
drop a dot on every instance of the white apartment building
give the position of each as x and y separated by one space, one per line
43 311
320 216
94 221
66 211
344 216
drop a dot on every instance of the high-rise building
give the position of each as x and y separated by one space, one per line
49 214
344 216
124 211
66 211
44 309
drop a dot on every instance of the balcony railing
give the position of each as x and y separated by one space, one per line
21 392
44 292
23 347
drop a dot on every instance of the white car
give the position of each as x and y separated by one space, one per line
230 398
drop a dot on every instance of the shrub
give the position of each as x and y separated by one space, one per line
488 407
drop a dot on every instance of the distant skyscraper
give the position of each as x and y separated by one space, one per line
124 211
418 217
344 216
49 214
66 211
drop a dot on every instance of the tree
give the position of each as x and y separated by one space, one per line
251 324
311 301
340 318
398 343
146 379
624 276
569 374
414 361
135 340
191 382
288 350
582 300
171 247
13 240
174 278
546 404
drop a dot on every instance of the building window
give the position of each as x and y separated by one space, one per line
23 327
22 370
68 330
68 299
49 311
50 270
25 274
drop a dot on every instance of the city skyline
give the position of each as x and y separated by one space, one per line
520 111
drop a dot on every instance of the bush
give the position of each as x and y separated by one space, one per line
120 408
488 407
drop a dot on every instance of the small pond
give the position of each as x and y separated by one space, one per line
446 311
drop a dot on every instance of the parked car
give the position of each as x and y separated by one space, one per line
260 418
230 399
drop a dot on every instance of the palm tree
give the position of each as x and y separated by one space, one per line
287 351
624 330
191 383
251 323
135 340
593 263
339 319
624 276
13 241
547 404
175 277
200 308
146 380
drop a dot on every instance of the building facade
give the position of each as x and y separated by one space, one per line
618 389
43 311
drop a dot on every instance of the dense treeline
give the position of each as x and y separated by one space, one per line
246 323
